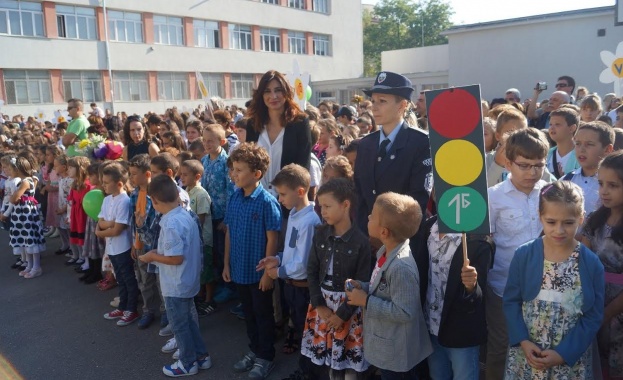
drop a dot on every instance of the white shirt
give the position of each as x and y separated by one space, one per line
562 161
274 152
315 171
514 218
590 188
117 209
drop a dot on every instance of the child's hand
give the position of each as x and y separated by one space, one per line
267 263
222 227
148 257
133 254
335 322
139 220
357 297
3 218
272 273
98 233
226 274
324 312
356 284
500 154
266 283
60 211
550 358
532 353
469 277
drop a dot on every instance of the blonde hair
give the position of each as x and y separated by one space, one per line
400 214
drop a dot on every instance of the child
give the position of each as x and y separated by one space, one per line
292 185
109 281
11 185
194 130
241 130
351 152
142 213
593 142
336 167
178 259
113 226
191 172
390 299
51 188
62 212
327 128
253 221
495 161
26 238
94 246
553 301
332 335
618 121
77 216
603 234
315 168
197 149
561 159
337 145
590 108
488 125
514 219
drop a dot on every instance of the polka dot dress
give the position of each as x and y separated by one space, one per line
27 224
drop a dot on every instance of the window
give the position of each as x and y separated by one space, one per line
27 86
125 26
85 85
76 22
240 37
298 4
242 86
321 45
297 43
21 18
214 83
276 2
173 86
168 30
271 40
130 86
321 6
207 34
438 86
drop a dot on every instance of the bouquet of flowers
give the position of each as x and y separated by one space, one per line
99 148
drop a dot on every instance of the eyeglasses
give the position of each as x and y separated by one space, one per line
526 167
560 85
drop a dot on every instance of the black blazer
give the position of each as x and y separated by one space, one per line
296 142
463 322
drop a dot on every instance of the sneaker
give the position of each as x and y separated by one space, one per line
128 318
176 355
177 369
54 234
34 273
48 231
166 331
205 363
79 262
246 363
205 308
261 369
170 346
115 302
237 311
115 314
225 295
164 320
69 254
71 261
24 272
145 321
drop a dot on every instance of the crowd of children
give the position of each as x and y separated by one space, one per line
187 224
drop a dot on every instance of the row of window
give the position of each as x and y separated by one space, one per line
320 6
34 86
26 19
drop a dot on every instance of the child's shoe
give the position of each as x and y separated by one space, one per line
225 295
176 355
205 363
34 273
24 272
18 264
261 369
166 331
62 251
170 346
115 314
146 321
237 311
128 318
246 363
177 369
54 234
71 261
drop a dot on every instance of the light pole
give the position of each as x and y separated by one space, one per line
112 90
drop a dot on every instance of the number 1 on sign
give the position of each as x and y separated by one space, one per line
461 202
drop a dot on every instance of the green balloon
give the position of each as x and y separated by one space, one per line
308 92
92 203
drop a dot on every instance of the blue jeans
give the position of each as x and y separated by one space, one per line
186 329
453 363
128 286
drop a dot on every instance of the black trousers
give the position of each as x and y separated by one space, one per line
297 301
258 311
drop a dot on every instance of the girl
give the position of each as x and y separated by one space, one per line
93 247
172 140
328 128
603 233
10 186
553 301
489 133
337 145
335 167
51 188
194 131
40 195
78 218
333 330
26 237
64 186
590 108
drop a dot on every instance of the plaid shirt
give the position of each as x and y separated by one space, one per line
248 219
216 181
144 233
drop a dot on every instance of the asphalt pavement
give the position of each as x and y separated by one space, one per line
52 327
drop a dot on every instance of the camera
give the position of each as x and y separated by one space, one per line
541 86
349 286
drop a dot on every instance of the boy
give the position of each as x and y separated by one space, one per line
391 299
190 175
114 219
253 221
216 181
514 219
561 159
197 149
593 142
179 261
292 185
618 121
142 213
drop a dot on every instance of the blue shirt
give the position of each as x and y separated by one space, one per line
216 181
150 214
248 219
299 237
391 137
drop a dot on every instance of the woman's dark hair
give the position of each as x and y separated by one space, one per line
126 129
258 111
154 119
598 219
177 141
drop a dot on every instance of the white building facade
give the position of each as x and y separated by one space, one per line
57 50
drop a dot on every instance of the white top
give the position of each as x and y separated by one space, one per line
560 160
117 208
315 171
64 187
10 186
274 152
514 218
590 188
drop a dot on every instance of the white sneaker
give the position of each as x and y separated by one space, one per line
205 363
49 231
54 234
170 346
166 331
176 354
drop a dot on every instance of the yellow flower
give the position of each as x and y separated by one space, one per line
83 144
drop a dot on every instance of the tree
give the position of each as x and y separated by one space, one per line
402 24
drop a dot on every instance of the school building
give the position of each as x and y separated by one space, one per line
138 56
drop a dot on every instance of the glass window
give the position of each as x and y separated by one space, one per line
242 86
207 34
298 4
173 86
168 30
297 43
276 2
270 39
76 22
27 86
321 45
240 37
321 6
85 85
130 86
214 83
125 26
21 18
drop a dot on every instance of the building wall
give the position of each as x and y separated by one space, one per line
417 60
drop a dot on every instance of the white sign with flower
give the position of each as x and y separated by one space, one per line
613 73
61 117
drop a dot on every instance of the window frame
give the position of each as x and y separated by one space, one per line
215 84
236 32
174 78
132 80
22 10
323 39
246 83
270 38
321 6
28 82
83 81
296 4
62 22
210 35
162 29
300 38
126 18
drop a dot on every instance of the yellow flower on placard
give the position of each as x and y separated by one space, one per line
614 68
83 144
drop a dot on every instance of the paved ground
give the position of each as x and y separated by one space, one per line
51 327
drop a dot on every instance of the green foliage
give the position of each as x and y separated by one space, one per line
402 24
